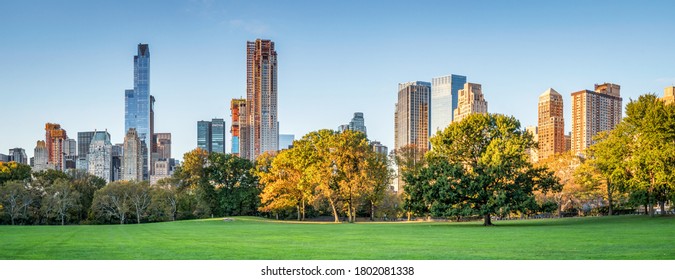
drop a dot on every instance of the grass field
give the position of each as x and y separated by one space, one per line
624 237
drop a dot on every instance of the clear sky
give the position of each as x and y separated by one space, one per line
69 62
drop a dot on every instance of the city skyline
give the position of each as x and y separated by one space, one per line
58 70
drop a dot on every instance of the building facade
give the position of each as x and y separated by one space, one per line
18 155
534 153
411 117
218 136
132 163
237 108
163 144
55 140
357 123
378 147
669 95
470 101
138 106
551 124
204 135
41 157
117 159
444 100
593 112
83 142
261 99
100 156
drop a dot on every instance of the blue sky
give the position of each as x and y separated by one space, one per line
69 62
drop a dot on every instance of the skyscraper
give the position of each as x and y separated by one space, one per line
470 101
55 138
261 99
592 112
669 95
218 136
357 124
100 156
83 141
138 106
237 108
378 147
444 97
18 155
132 163
551 124
411 118
70 153
41 157
204 135
163 143
117 158
211 135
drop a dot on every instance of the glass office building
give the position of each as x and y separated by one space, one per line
137 103
444 97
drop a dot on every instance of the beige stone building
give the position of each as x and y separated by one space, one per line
669 95
593 112
534 153
551 124
470 101
132 163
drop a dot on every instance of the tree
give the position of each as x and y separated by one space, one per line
13 171
139 198
487 170
564 166
233 185
377 177
14 199
650 124
165 199
410 159
61 198
86 185
280 180
112 201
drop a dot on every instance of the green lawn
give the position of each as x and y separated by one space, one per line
625 237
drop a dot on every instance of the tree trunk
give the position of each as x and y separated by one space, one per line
303 209
298 208
609 196
335 215
63 220
372 211
662 204
646 211
560 215
486 220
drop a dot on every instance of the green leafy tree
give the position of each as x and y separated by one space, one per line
233 185
410 159
86 185
488 172
651 159
139 198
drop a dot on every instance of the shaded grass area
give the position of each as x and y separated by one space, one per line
619 237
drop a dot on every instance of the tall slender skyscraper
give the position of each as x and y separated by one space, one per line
444 97
592 112
261 99
470 101
138 105
551 124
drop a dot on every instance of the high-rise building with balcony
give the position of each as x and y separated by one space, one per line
262 126
100 156
470 101
444 100
138 106
551 124
593 112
